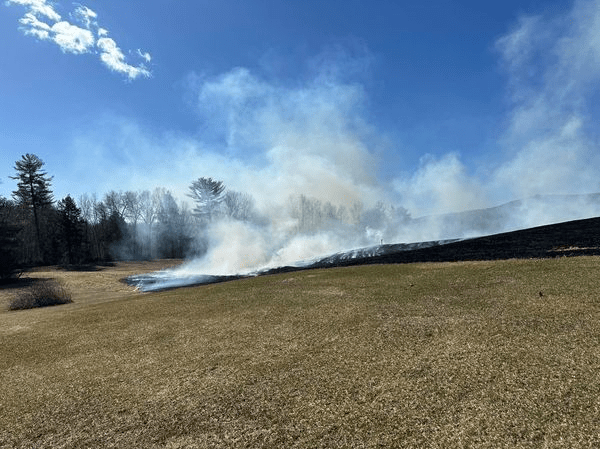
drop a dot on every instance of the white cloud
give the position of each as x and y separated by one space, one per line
44 23
72 39
85 15
145 55
112 56
35 27
38 7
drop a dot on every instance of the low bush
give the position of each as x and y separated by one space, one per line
41 294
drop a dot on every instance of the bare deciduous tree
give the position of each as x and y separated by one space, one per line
133 213
149 207
116 202
239 206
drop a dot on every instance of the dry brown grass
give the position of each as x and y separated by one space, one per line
424 355
41 294
100 284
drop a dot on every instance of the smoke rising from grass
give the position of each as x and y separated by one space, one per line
313 139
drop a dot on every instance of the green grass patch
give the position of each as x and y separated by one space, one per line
472 354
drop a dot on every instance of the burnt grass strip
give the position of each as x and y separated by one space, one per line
572 238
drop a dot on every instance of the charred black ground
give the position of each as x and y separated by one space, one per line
572 238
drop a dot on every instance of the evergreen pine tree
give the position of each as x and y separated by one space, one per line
71 225
9 242
208 195
33 191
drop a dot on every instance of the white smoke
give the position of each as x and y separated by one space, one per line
312 141
240 248
441 186
553 66
550 147
312 138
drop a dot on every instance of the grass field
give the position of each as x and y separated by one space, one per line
469 354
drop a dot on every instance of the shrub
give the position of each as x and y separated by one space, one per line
41 294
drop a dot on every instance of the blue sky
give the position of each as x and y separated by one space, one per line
438 106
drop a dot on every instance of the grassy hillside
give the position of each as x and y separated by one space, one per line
467 354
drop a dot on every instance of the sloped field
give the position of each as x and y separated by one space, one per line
467 354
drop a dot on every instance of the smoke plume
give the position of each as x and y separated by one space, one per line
313 173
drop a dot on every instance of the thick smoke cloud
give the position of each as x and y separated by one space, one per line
317 145
312 139
309 140
441 186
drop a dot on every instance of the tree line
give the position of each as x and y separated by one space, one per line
35 229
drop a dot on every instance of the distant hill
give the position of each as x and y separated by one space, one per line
520 214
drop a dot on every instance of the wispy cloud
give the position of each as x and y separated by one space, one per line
81 34
38 8
35 27
112 56
85 15
145 55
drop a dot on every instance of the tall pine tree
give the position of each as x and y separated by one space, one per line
33 191
208 195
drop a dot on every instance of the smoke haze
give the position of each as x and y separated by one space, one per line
313 138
